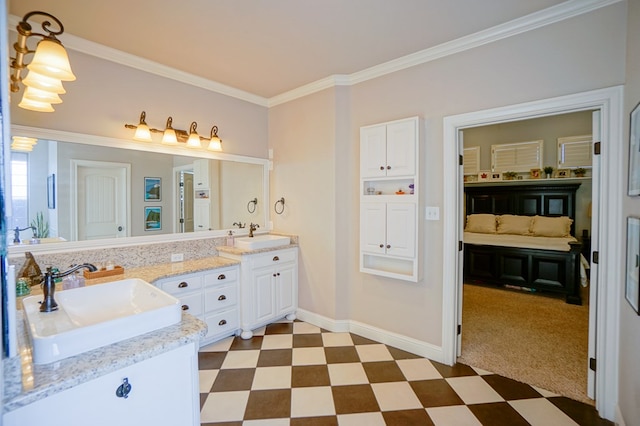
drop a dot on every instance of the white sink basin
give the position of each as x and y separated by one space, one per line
98 315
262 242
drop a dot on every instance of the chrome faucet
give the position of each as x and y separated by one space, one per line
252 228
49 285
240 225
16 233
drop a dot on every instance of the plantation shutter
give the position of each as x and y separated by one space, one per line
516 157
575 151
471 160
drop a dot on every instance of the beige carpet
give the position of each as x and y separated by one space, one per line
527 337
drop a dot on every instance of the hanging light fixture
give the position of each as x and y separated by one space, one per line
171 136
48 69
22 143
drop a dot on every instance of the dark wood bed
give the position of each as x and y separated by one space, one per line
543 270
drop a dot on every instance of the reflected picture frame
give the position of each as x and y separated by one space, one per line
152 189
632 282
153 218
51 191
634 151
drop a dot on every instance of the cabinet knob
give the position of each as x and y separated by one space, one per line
123 390
185 307
388 167
381 167
222 322
388 246
183 284
278 274
222 297
274 275
222 277
276 258
381 245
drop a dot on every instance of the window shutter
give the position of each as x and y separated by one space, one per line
517 157
575 151
471 160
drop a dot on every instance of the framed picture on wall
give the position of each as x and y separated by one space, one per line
152 218
632 283
153 189
634 151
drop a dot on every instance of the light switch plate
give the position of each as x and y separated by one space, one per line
432 213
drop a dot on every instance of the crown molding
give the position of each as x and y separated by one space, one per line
548 16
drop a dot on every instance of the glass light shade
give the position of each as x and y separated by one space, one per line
42 82
38 106
169 137
215 144
51 60
42 96
143 133
22 143
194 139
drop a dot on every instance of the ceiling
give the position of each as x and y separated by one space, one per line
269 47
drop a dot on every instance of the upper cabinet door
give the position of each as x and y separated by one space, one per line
373 151
401 148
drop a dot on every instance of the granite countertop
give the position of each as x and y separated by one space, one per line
25 383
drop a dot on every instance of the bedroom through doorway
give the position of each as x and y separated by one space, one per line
510 327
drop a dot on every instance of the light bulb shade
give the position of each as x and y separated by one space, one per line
51 60
32 105
169 137
194 139
22 143
42 82
143 133
42 96
215 144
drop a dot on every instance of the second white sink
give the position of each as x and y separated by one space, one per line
91 317
262 242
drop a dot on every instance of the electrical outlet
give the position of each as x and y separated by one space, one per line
432 213
177 257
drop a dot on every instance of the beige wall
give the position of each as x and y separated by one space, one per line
629 386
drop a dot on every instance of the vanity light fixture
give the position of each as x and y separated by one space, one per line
22 143
48 68
171 136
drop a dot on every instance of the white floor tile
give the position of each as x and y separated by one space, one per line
206 379
277 341
308 356
350 373
544 392
418 369
221 346
474 390
336 339
541 412
234 404
372 353
313 401
266 422
259 331
395 396
305 328
455 415
361 419
272 378
241 359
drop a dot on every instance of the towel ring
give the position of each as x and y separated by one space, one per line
281 209
251 205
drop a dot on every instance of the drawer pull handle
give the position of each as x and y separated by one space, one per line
123 390
276 258
222 322
185 307
222 297
222 277
183 284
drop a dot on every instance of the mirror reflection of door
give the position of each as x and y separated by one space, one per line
185 201
101 200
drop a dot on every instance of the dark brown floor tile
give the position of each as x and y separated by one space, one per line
233 380
497 414
510 389
309 375
268 404
203 398
340 354
435 393
458 370
400 354
354 399
314 421
279 328
241 344
359 340
583 414
210 360
407 417
222 424
383 371
307 340
275 357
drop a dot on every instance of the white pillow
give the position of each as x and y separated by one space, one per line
481 223
512 224
542 226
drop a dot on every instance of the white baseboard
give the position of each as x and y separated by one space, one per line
396 340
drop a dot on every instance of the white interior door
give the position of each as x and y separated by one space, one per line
187 202
101 200
460 230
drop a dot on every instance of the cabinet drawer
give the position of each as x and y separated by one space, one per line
220 297
222 322
221 277
274 258
181 285
192 303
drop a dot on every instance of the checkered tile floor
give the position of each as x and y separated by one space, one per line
294 373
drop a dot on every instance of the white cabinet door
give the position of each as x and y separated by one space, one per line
201 216
373 217
163 392
285 288
401 148
401 229
373 151
201 175
264 296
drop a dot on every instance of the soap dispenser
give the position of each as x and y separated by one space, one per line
230 239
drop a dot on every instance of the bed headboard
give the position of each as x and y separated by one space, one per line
527 200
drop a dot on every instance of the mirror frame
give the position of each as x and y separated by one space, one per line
86 139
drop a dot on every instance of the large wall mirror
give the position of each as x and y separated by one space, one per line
82 191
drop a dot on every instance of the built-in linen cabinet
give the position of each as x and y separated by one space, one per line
389 199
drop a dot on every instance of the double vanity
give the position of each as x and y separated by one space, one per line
123 349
